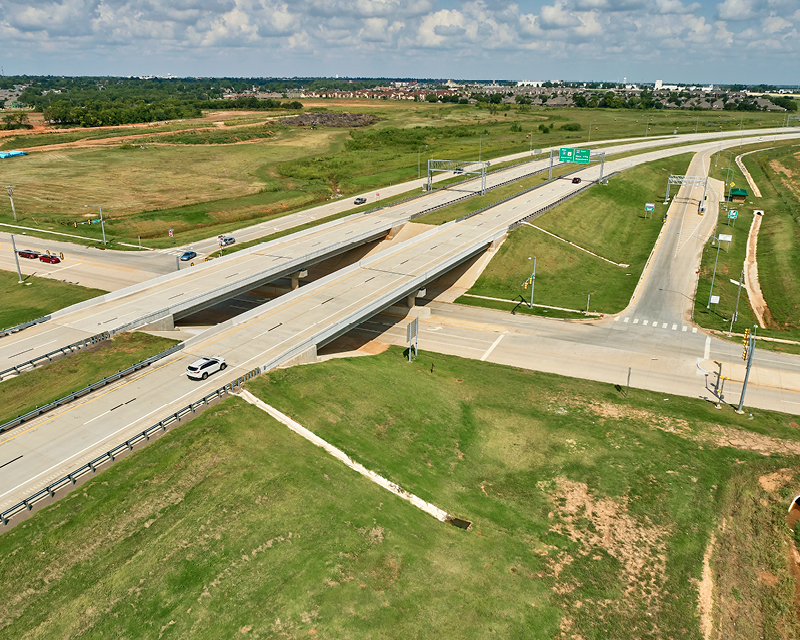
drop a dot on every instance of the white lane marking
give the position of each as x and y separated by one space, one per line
636 321
664 325
790 402
627 318
644 322
82 451
490 349
674 327
707 351
96 417
684 329
694 329
616 319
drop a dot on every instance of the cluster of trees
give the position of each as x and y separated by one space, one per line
16 121
100 114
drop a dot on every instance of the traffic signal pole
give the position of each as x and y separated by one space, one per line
749 343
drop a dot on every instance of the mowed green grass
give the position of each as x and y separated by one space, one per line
589 512
202 184
24 302
608 220
57 379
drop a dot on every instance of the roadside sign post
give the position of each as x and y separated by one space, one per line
649 206
412 335
725 237
550 173
16 258
732 215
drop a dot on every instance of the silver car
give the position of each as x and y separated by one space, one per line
204 367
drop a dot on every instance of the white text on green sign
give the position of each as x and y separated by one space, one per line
649 206
732 215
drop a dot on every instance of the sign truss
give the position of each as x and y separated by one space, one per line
469 167
694 181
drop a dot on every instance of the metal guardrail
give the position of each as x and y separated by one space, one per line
552 205
60 351
92 387
24 325
109 456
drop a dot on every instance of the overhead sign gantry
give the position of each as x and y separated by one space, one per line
469 167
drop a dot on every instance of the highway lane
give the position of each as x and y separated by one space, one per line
283 328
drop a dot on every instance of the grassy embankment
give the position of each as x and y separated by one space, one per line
778 250
24 302
60 378
608 220
591 514
200 189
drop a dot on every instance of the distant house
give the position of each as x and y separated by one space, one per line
737 195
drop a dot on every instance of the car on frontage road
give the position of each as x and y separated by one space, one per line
189 255
359 201
576 181
204 367
28 253
46 257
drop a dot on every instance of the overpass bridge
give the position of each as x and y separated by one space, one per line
158 302
289 327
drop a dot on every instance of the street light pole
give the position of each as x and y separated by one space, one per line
647 128
736 310
589 141
16 257
11 197
708 306
419 167
480 144
102 224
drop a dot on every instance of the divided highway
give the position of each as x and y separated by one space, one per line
286 327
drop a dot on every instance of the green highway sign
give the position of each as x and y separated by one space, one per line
649 206
567 154
582 155
732 214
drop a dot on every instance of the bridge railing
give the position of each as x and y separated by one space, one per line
110 455
24 325
16 369
92 387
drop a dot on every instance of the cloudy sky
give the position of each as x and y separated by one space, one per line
748 41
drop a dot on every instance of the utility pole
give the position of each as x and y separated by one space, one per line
11 197
587 303
16 258
419 167
749 343
550 174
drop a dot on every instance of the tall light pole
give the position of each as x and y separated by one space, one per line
102 224
741 130
590 131
647 128
697 122
11 197
419 167
708 306
16 257
480 143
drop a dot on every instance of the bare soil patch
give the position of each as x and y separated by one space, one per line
705 589
774 481
600 525
331 120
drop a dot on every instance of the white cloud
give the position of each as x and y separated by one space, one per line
774 24
556 17
735 10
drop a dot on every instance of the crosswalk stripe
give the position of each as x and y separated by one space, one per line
616 319
626 319
684 329
636 321
644 322
694 329
664 325
674 327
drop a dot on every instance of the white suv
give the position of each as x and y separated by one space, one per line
204 367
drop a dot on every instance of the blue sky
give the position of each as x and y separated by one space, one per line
748 41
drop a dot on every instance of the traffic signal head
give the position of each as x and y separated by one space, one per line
744 354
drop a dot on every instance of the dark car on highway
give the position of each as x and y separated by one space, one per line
189 255
576 181
50 259
28 253
359 201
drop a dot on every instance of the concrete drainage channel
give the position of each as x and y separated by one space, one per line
340 455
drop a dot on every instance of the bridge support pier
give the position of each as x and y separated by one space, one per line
166 323
296 278
411 301
394 231
307 357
